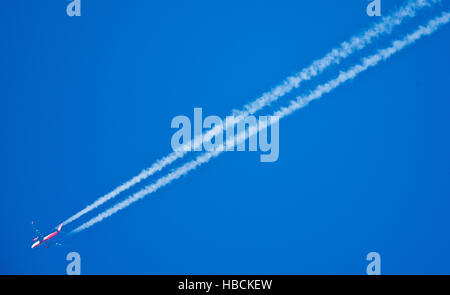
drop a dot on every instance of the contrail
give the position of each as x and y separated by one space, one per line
296 104
336 55
358 42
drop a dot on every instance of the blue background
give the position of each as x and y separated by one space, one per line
86 103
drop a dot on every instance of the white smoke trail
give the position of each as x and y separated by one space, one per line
345 49
296 104
336 55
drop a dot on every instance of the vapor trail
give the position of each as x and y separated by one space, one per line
345 49
296 104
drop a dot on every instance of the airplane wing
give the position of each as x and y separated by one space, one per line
36 231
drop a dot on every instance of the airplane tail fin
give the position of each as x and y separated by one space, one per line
59 227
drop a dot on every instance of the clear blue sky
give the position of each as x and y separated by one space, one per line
86 103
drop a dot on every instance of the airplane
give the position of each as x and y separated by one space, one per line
41 240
